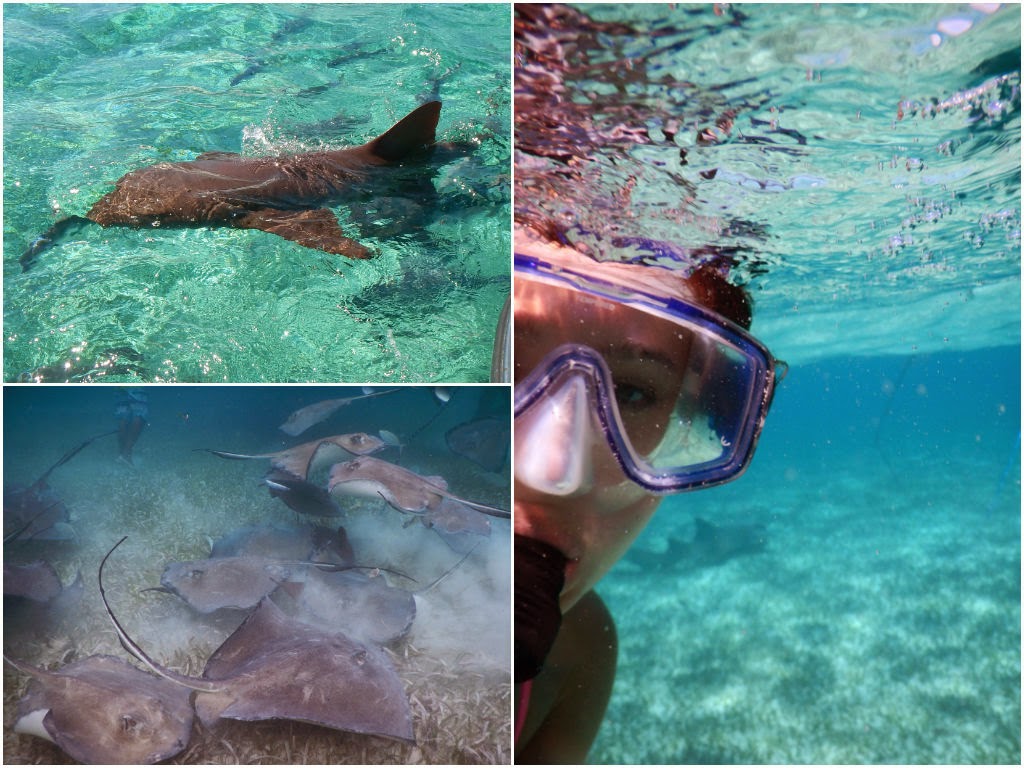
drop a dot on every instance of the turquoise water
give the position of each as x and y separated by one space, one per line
881 623
858 168
94 91
174 500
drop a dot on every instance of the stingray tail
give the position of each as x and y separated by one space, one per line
26 668
227 455
445 575
15 534
71 454
133 648
374 570
488 510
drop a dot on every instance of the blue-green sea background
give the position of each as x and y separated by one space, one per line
859 165
94 91
881 624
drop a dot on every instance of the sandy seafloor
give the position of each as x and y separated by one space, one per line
455 661
881 623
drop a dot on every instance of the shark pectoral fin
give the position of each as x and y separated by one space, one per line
316 229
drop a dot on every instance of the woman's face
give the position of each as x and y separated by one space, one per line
592 528
569 490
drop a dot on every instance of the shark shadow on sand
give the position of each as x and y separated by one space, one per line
711 545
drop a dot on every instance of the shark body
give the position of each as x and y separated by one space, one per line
285 195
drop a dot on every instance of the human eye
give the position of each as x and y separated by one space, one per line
633 396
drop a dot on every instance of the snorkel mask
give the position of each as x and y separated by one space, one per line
677 392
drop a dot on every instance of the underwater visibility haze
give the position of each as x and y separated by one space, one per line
92 92
422 600
855 596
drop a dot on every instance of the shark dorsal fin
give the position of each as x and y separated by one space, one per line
414 131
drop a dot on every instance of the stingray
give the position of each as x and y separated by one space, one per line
287 542
223 582
483 441
293 542
364 607
36 511
298 460
103 710
234 582
36 581
404 490
273 668
302 496
460 526
304 418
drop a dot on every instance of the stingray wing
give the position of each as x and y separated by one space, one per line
102 710
304 418
274 668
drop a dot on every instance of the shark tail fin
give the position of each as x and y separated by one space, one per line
414 131
60 232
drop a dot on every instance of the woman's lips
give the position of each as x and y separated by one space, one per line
525 524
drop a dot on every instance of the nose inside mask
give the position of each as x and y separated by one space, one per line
551 439
539 578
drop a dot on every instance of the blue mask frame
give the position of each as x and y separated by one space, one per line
748 399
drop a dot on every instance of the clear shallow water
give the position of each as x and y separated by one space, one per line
858 167
175 500
91 92
881 624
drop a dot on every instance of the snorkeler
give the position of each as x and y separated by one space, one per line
630 382
131 413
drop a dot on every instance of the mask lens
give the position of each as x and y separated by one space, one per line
706 426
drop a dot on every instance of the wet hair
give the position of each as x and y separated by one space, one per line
714 291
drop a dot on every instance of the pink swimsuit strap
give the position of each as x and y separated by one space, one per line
524 705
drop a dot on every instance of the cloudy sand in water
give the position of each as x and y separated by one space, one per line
175 500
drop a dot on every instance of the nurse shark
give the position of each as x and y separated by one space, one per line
712 545
286 195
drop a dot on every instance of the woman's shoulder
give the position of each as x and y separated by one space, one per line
568 698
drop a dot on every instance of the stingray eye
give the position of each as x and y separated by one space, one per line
129 724
358 438
359 657
195 573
